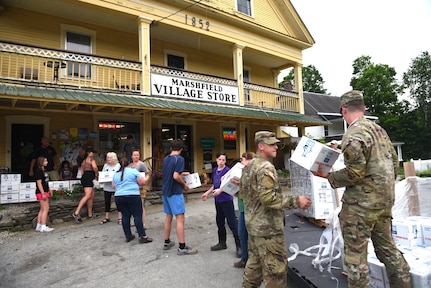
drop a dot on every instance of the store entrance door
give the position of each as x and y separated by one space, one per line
183 132
24 139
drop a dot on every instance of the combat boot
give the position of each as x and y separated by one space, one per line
221 245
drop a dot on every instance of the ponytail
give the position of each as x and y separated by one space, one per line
124 164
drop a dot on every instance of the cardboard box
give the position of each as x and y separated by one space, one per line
235 172
105 176
9 198
426 233
304 183
6 188
27 196
420 270
59 185
377 273
10 178
407 231
72 184
192 180
309 154
27 186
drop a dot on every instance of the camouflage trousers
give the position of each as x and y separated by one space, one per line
267 262
358 225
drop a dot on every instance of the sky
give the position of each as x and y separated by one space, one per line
392 32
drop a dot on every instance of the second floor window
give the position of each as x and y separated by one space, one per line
78 43
175 61
244 6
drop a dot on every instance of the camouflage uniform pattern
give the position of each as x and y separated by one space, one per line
369 177
263 208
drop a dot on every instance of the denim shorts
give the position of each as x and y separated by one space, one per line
174 204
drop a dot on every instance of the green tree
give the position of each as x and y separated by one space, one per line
379 85
417 80
312 80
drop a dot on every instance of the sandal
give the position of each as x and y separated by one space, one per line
120 222
104 221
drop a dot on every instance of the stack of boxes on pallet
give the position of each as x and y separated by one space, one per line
413 237
10 185
13 191
411 233
307 157
411 230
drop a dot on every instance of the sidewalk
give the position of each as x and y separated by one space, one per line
93 255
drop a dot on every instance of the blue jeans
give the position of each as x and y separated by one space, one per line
129 206
243 236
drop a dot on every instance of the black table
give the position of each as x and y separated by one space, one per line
56 65
301 272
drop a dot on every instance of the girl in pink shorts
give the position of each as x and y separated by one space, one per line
42 194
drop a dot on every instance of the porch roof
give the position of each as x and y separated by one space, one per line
62 99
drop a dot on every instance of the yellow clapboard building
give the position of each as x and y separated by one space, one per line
91 72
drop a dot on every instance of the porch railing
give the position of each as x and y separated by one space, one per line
59 67
41 66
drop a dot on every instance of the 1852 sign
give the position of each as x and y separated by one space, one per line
197 22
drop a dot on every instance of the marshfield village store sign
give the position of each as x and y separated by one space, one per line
177 87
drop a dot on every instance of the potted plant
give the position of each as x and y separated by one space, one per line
157 177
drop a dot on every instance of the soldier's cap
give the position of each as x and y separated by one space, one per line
350 96
266 137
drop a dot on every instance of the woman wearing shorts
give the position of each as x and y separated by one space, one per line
42 195
89 172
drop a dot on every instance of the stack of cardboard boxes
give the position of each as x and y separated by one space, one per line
10 185
13 191
306 158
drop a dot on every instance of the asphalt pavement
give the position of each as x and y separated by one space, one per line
94 255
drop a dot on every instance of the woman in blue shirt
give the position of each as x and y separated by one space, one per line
128 199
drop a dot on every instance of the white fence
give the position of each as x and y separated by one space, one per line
421 165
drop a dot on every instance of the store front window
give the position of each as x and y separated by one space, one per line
183 132
113 136
229 138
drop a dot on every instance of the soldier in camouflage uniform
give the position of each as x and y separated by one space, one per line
263 207
369 177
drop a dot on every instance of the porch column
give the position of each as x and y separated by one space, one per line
242 138
275 73
147 147
298 84
144 53
238 70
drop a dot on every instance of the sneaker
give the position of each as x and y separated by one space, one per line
145 239
47 229
187 251
169 245
37 229
77 217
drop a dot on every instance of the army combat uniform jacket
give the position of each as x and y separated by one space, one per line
263 200
371 166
